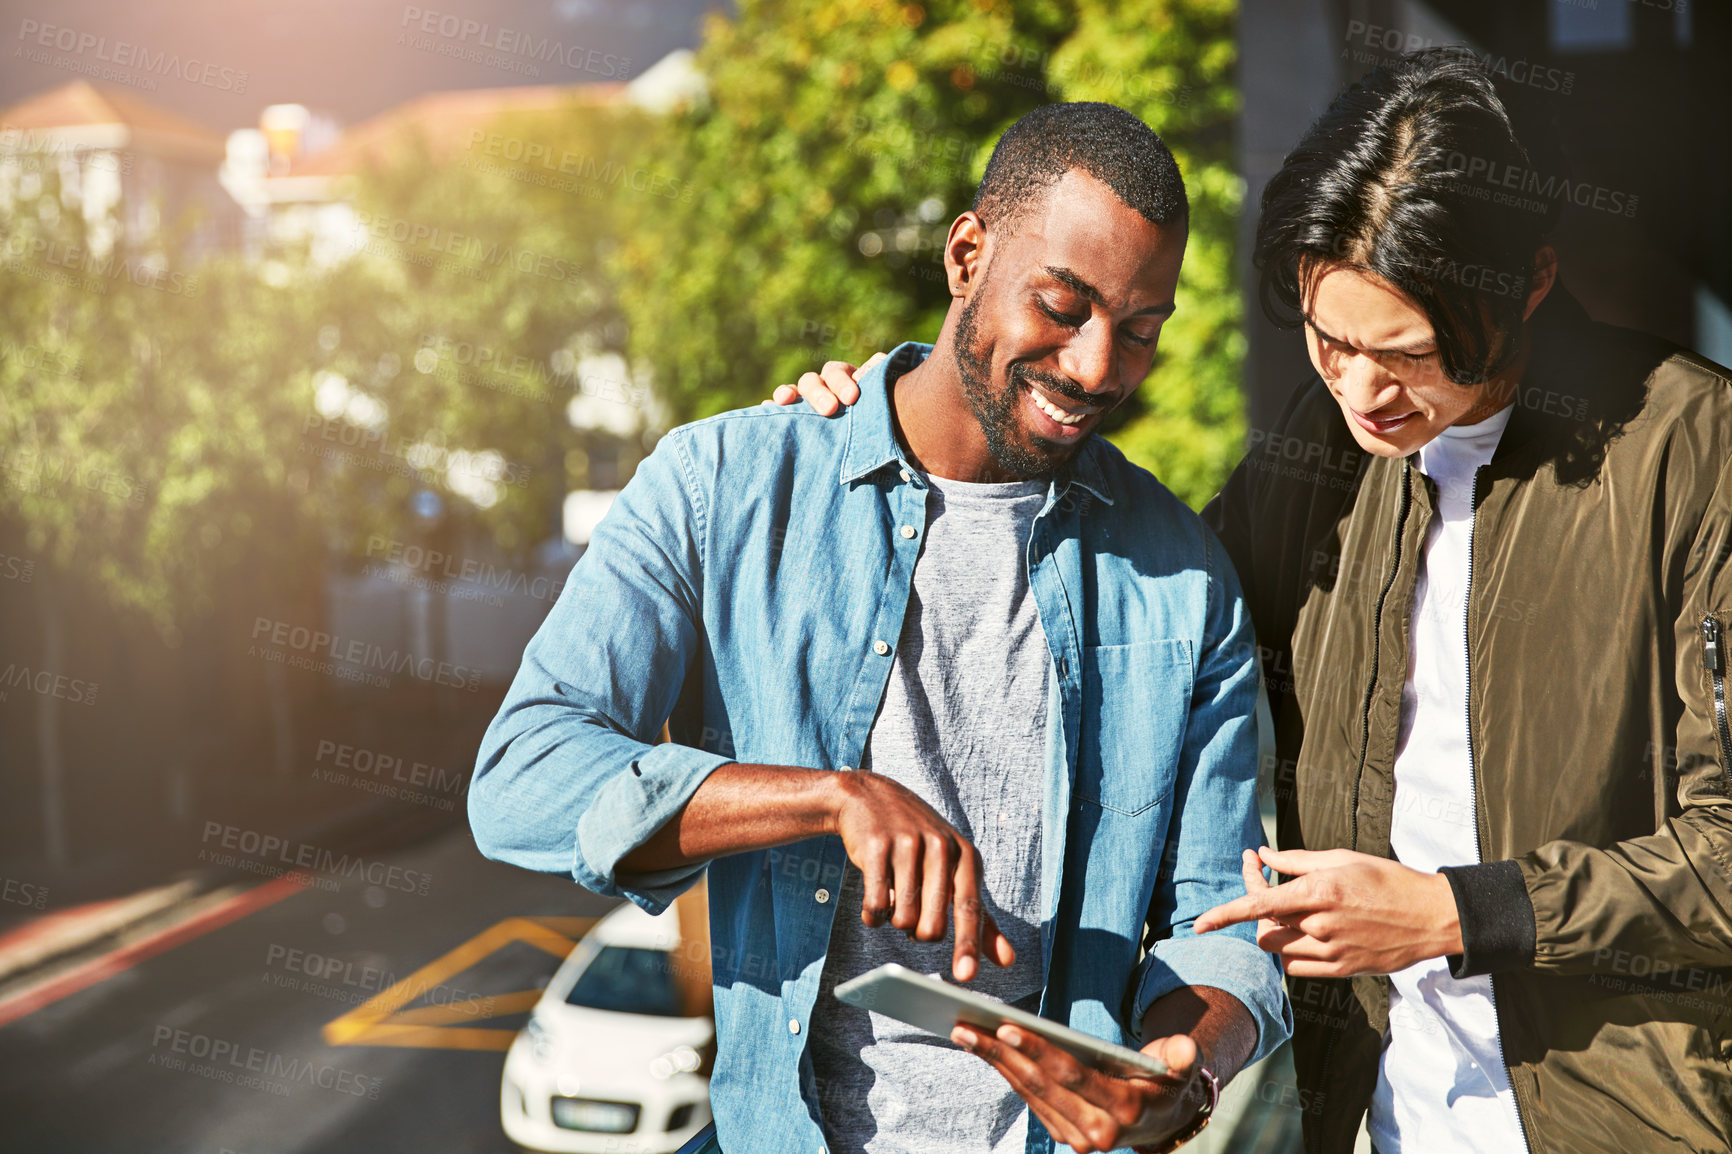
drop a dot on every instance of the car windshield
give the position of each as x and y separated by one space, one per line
628 980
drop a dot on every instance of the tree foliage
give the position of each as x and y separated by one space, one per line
841 138
174 425
147 438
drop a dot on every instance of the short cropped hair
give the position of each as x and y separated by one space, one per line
1416 173
1102 140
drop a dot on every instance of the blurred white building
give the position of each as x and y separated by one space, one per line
112 150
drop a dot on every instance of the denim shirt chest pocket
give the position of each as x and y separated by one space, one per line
1145 688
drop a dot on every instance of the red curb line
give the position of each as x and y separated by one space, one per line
87 974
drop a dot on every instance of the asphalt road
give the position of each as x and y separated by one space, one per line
219 1045
216 1044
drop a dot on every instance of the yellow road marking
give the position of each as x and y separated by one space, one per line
573 928
469 1010
433 1038
382 1021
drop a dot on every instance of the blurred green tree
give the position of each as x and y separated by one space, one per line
160 428
146 419
840 139
166 416
480 328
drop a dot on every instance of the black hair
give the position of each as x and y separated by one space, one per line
1102 140
1416 173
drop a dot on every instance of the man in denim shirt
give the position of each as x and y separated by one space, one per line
756 586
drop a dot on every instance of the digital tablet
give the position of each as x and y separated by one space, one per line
936 1005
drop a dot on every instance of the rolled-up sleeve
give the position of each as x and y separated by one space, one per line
1214 821
568 780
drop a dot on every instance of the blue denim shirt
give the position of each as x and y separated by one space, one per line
750 584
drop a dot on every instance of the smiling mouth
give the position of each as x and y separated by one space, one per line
1062 411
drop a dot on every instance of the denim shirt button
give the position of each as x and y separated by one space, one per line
905 475
881 648
793 1025
821 897
908 532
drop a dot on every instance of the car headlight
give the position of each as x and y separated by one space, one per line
540 1041
679 1060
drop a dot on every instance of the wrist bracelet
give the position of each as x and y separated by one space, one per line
1195 1126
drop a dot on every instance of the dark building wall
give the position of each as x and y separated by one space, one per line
1288 75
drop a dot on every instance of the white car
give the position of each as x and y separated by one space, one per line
617 1053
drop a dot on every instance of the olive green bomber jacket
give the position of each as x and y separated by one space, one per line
1599 611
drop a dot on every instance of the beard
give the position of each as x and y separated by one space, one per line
999 410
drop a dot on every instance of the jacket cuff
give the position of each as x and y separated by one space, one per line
1225 961
632 806
1497 918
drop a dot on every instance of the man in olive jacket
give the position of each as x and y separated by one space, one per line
1597 619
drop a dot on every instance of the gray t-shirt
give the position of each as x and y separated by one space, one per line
963 725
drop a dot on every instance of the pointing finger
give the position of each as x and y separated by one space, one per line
1278 903
875 881
965 896
935 876
1299 862
905 862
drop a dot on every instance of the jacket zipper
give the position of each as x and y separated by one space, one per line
1377 647
1714 659
1473 780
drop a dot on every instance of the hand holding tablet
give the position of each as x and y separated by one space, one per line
936 1005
